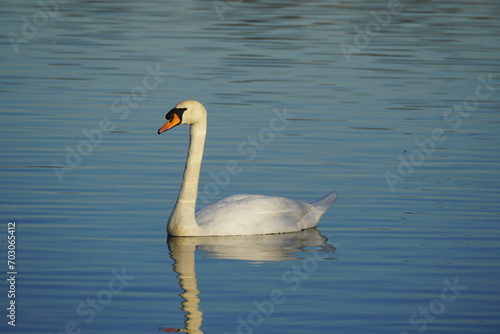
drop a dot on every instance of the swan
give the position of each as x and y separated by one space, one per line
236 214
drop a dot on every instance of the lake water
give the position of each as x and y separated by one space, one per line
394 105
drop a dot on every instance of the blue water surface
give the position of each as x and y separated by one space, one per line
393 104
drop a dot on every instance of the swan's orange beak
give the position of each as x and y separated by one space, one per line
174 121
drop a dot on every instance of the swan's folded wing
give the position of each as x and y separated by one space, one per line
253 214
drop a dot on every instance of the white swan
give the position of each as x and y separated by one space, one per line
237 214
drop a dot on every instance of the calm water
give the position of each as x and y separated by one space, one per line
394 107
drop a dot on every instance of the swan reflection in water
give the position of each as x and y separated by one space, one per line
275 247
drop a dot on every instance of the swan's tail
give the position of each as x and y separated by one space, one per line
312 218
325 202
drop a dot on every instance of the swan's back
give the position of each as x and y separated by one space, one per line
258 214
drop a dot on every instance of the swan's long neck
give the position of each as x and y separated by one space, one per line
182 221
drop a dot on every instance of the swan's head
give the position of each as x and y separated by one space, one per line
185 112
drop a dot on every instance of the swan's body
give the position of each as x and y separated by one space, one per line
237 214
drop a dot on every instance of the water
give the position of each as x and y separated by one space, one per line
396 112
